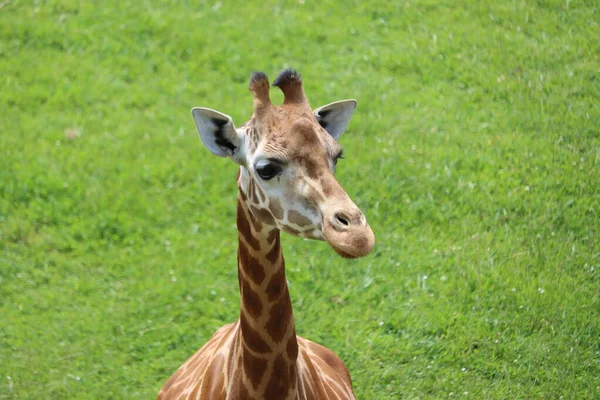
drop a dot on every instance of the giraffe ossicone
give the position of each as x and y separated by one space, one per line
287 157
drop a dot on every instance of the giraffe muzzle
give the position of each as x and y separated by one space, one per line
348 233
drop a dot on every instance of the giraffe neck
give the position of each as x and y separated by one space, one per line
269 348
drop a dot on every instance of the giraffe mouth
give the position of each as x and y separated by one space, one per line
343 253
354 241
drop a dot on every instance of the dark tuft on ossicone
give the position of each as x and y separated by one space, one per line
290 83
259 86
258 81
258 76
287 76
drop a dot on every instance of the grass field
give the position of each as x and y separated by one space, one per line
474 152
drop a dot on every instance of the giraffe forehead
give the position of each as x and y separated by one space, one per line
301 141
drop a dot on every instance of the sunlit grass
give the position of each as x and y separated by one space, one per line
474 152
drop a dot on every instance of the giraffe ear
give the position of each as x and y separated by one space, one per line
334 117
217 132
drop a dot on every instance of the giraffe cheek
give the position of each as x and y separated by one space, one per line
298 219
263 215
291 231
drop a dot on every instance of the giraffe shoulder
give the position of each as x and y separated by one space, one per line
192 377
328 375
324 356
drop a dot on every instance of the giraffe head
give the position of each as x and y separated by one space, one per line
288 155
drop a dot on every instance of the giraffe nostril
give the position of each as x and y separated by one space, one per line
342 219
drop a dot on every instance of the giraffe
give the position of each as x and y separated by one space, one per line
287 156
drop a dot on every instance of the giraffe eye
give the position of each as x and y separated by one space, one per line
267 170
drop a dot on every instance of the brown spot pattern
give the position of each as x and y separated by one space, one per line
279 382
244 228
277 285
260 194
250 265
274 234
254 367
276 209
250 300
256 222
273 255
296 218
292 231
263 214
252 338
279 317
292 348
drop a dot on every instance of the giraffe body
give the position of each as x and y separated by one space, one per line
211 374
287 157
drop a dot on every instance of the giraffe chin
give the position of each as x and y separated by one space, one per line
351 244
344 254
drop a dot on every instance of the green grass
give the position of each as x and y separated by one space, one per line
474 152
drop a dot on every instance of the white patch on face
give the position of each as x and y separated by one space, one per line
291 190
244 180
